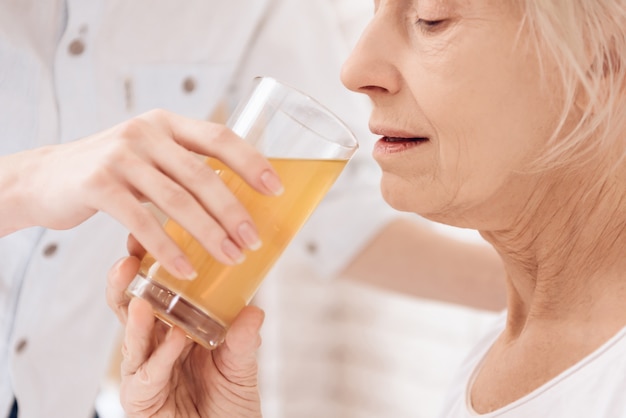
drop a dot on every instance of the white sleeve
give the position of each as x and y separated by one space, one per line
304 44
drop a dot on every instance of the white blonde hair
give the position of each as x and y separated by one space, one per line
587 41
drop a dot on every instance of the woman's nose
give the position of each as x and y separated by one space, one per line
370 67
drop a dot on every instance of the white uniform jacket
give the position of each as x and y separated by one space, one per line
71 68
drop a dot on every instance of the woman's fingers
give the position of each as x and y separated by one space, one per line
157 370
138 338
118 279
147 361
236 357
159 366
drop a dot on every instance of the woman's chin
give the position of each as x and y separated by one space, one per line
402 196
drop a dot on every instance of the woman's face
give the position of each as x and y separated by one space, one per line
459 102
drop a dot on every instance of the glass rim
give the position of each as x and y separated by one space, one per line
351 137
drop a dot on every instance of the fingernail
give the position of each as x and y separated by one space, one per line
249 235
184 267
232 251
272 182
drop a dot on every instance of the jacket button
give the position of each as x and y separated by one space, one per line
311 247
50 250
189 85
21 346
76 47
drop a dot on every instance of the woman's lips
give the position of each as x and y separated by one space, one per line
402 139
392 144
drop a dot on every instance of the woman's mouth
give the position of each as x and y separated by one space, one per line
398 139
391 144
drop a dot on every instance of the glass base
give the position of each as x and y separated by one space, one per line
172 309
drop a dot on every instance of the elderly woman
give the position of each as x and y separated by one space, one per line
508 117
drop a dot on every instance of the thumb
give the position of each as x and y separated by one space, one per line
236 356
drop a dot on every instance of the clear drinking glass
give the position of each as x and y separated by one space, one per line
308 147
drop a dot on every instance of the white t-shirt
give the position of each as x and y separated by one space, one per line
595 387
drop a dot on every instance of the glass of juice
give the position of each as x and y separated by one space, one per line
308 147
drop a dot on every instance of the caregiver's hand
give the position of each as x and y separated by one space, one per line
144 159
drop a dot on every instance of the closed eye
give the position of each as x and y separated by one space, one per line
431 26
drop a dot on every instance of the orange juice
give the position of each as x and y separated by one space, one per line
220 290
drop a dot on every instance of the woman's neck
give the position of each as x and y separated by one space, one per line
566 257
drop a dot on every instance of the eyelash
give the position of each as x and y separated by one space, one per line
430 26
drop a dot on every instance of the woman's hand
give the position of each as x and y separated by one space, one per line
144 159
164 374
